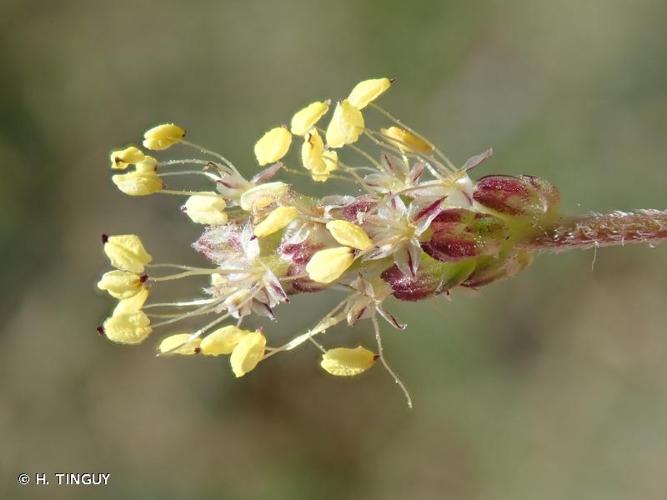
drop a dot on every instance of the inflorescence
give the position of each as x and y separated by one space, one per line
420 228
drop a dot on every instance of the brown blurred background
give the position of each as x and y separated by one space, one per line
552 385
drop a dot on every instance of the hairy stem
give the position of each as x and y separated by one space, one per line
603 230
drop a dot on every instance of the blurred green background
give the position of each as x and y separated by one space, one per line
552 385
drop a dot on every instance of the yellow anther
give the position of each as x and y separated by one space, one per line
406 141
222 341
346 362
349 234
123 158
328 265
179 343
367 91
305 119
273 145
275 221
146 166
138 183
312 150
121 284
163 136
131 304
347 124
247 353
263 195
206 208
130 328
126 252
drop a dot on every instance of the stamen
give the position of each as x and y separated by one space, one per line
191 172
184 274
185 161
378 339
178 266
401 124
324 324
210 153
197 312
317 344
428 160
358 178
210 325
187 193
189 303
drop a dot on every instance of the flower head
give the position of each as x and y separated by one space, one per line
412 226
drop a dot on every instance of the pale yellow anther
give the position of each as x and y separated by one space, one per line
218 279
406 140
223 340
330 163
179 343
206 208
273 145
330 158
247 353
130 328
126 252
346 362
131 304
315 158
305 119
312 151
263 195
346 125
163 136
138 183
123 158
278 219
120 284
349 234
146 166
367 91
328 265
237 299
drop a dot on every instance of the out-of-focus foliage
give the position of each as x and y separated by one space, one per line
550 386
